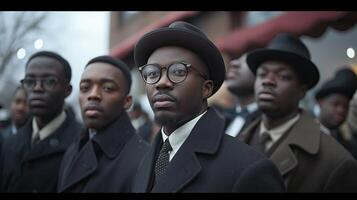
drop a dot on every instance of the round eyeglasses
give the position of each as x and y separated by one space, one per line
48 83
176 72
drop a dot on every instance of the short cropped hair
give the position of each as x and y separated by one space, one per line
65 64
115 63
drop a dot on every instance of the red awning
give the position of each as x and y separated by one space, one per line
122 49
311 23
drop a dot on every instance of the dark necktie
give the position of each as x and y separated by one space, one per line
262 141
163 159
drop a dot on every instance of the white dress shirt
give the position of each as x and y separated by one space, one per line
49 128
237 124
178 137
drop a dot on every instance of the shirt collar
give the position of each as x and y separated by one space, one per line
92 132
250 107
49 128
277 132
13 129
178 137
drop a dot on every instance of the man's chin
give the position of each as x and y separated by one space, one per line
40 112
165 118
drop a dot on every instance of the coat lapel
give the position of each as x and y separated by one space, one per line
248 131
144 177
81 167
56 142
204 138
304 134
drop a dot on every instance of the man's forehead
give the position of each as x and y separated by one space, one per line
102 72
44 64
275 65
102 69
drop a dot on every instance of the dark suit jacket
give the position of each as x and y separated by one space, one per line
309 160
106 163
210 161
35 169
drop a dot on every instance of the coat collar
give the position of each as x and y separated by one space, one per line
304 134
113 138
81 167
204 138
110 140
56 142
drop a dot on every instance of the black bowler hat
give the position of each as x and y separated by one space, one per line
287 48
184 35
344 82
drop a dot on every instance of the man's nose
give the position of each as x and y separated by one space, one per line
269 79
95 93
164 81
38 86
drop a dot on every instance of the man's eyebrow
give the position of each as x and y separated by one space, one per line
102 80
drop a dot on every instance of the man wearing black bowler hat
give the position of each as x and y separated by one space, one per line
106 157
308 159
182 68
334 98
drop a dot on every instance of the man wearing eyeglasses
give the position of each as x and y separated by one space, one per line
182 68
32 158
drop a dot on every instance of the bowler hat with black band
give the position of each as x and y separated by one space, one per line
344 82
291 50
188 36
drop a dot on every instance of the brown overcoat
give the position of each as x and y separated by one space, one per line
310 160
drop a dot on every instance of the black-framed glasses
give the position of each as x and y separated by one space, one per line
48 83
176 72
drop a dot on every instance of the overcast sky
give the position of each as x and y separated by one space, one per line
78 37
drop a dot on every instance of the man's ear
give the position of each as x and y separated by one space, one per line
207 88
128 101
303 90
68 90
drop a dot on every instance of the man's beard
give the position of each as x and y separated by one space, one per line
166 120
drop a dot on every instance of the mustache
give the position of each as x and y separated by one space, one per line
161 96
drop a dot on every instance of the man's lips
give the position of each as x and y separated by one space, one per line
266 95
232 75
161 101
37 102
93 110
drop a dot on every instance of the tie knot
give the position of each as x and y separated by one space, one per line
166 147
264 138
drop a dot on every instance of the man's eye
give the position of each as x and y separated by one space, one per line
285 77
50 81
108 87
179 72
84 87
152 74
30 81
260 74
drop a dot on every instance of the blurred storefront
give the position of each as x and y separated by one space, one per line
238 32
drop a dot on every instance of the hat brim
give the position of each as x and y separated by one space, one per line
194 42
326 91
307 70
